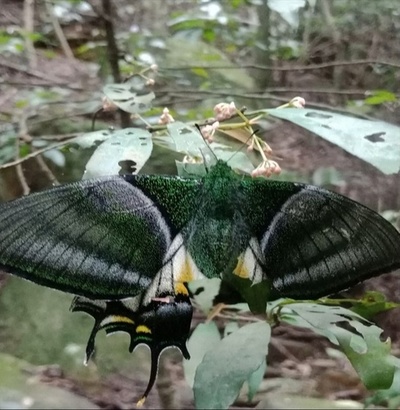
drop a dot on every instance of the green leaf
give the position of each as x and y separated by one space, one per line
255 380
204 337
188 170
89 139
388 397
236 159
7 145
371 364
187 139
368 354
376 142
379 97
256 295
129 98
221 374
373 303
125 153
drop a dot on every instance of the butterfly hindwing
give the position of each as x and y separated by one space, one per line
314 242
162 323
103 239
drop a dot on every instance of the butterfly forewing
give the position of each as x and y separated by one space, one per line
104 238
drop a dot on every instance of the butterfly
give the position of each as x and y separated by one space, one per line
127 246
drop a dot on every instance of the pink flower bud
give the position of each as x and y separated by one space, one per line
108 105
297 102
166 117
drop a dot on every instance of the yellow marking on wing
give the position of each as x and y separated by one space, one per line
241 270
122 319
186 274
143 329
180 288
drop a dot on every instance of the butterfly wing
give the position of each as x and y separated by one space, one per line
103 238
311 242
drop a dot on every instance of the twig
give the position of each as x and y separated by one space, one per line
33 155
44 85
59 33
28 12
31 72
287 68
112 50
283 350
46 170
255 94
18 169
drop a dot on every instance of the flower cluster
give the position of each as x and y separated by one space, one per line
224 111
267 168
166 117
208 131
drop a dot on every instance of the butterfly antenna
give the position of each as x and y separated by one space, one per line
207 144
243 145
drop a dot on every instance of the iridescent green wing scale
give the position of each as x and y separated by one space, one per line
311 242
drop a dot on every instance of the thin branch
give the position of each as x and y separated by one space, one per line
59 33
288 68
254 94
113 54
28 13
18 168
46 170
33 155
31 72
44 85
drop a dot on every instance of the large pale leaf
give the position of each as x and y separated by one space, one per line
91 138
204 338
376 142
224 369
124 153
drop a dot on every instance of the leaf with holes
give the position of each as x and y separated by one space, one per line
376 142
89 139
125 153
362 345
128 98
187 139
